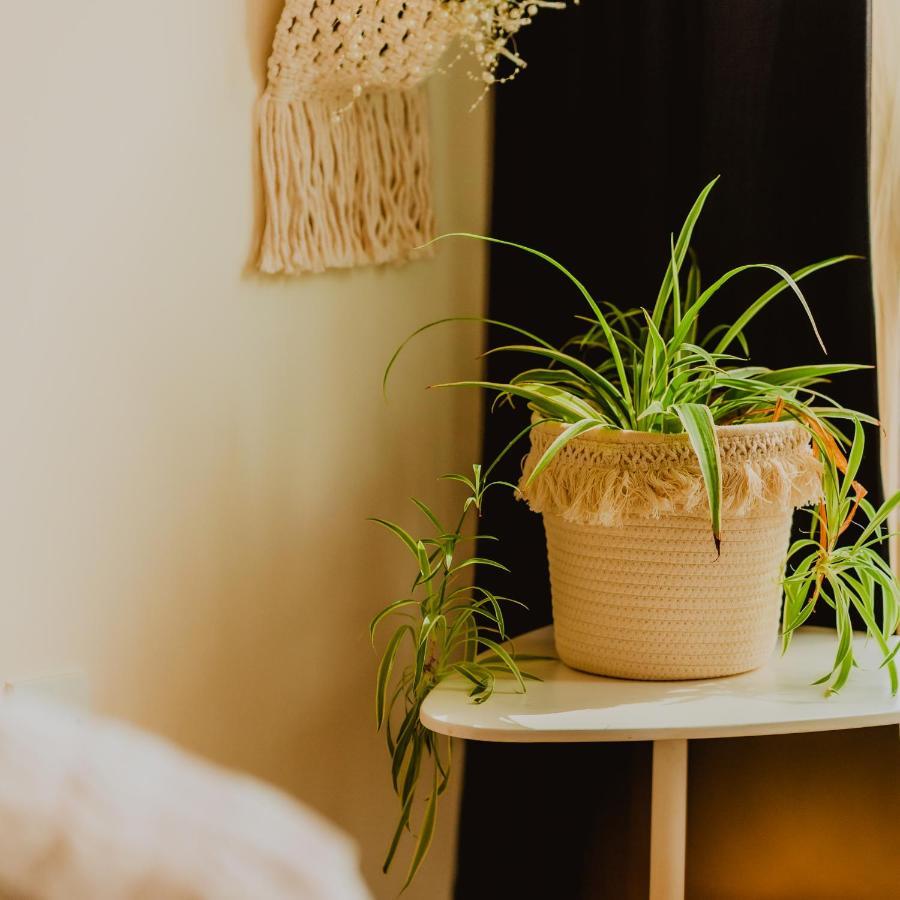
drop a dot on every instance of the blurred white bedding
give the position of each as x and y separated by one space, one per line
91 809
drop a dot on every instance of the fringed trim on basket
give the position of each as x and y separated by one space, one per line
606 476
348 189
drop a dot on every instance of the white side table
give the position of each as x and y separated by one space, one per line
570 706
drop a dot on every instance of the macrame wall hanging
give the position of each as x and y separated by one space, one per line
344 124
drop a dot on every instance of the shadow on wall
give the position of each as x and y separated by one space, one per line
262 17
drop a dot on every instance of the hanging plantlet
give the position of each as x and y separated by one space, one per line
344 127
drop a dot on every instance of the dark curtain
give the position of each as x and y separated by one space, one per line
627 109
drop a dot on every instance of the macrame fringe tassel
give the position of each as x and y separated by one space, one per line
344 190
596 482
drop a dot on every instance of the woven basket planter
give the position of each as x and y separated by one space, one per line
637 589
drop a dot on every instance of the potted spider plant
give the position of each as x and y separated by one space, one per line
667 468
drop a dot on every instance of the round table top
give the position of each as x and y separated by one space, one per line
573 706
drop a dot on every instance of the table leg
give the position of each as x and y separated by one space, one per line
668 820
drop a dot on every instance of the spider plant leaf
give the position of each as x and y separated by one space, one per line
430 515
793 592
891 656
497 459
755 307
787 280
498 614
404 683
470 672
563 377
877 563
396 530
398 832
883 576
692 291
386 667
679 250
554 401
745 382
854 458
499 597
655 408
843 661
479 319
518 657
421 653
424 563
501 669
604 388
387 611
463 623
442 767
880 516
801 544
478 561
429 624
426 833
414 765
863 605
798 619
560 441
505 658
676 287
594 338
693 353
800 375
479 676
654 364
721 329
701 430
549 259
487 615
405 737
838 412
595 309
453 476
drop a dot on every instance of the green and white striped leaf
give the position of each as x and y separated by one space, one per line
560 441
701 430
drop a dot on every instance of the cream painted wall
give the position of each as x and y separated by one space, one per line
189 449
